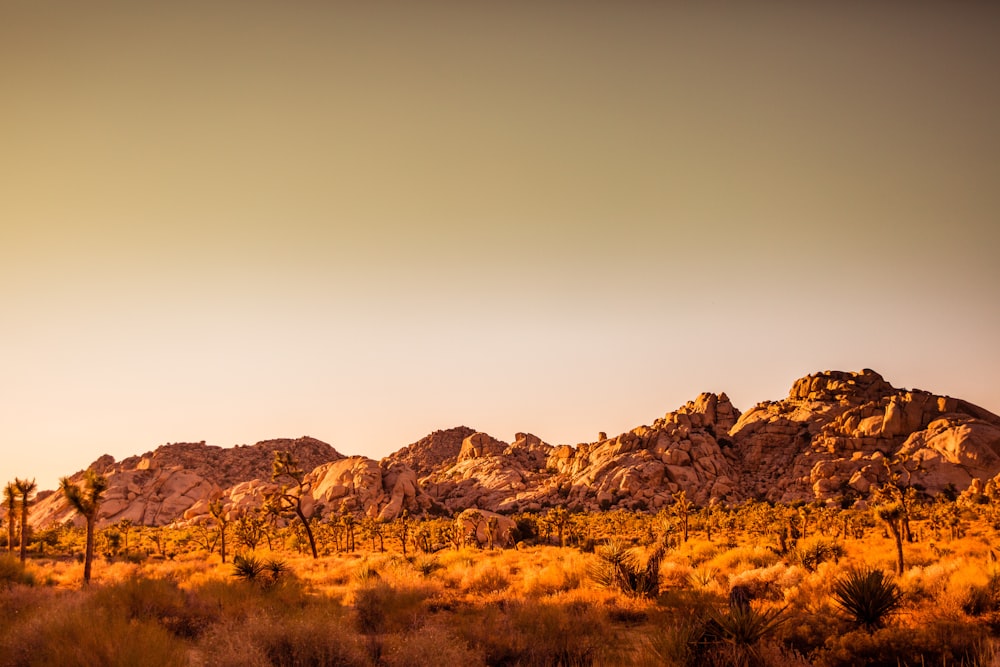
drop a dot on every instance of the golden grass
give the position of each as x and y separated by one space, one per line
530 606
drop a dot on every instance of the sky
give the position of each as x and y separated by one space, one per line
363 222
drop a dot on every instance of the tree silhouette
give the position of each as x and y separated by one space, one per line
285 470
86 500
25 488
10 500
216 509
682 510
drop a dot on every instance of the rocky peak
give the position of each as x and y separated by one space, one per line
840 386
479 445
431 451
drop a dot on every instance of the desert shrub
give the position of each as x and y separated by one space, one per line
537 633
314 636
12 572
744 625
868 596
768 583
426 564
380 608
484 578
743 558
260 571
811 552
77 633
430 645
942 643
618 567
156 600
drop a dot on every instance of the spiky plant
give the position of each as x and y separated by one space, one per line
744 625
868 596
248 568
618 567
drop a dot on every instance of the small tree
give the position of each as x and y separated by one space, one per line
10 500
125 527
682 509
26 489
86 500
892 515
216 509
558 518
286 470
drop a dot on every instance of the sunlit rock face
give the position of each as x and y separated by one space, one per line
840 430
164 485
835 436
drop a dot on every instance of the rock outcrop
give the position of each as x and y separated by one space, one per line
835 436
162 486
834 433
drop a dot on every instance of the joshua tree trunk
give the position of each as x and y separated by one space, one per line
309 533
88 554
897 534
25 488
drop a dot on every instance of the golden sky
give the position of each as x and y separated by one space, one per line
233 221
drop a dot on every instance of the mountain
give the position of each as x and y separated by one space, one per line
832 438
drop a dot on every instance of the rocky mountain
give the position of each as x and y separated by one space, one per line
160 486
831 438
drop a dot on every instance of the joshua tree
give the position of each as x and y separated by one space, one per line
86 500
293 488
25 488
125 527
558 517
682 508
347 520
892 515
249 530
216 509
10 500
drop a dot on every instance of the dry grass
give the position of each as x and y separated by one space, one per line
531 606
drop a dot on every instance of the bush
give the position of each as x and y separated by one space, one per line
254 570
315 636
810 553
868 596
617 567
12 572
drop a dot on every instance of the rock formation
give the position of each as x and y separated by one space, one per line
834 437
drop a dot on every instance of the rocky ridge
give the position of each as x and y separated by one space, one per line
829 439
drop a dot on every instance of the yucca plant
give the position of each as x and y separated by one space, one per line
868 596
254 570
733 637
617 566
248 568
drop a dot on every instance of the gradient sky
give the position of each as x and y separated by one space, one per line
234 221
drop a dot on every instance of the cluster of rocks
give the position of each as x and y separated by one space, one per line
832 437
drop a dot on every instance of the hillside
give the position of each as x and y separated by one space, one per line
831 438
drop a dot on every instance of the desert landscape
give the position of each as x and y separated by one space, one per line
850 523
523 334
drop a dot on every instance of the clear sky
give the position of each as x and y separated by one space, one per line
234 221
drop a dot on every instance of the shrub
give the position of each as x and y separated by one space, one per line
868 596
618 567
254 570
380 608
810 553
314 636
430 645
13 572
